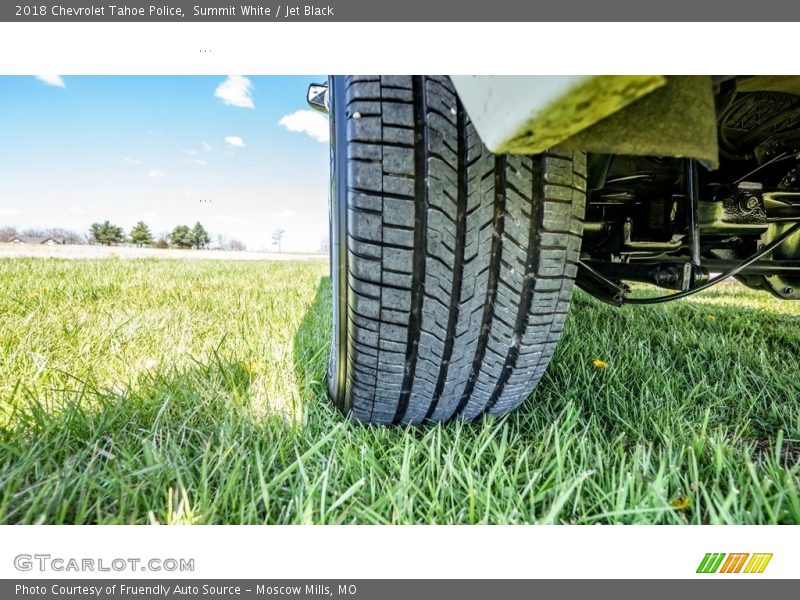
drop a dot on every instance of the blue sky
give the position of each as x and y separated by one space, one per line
243 155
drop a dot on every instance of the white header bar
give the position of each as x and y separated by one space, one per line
395 48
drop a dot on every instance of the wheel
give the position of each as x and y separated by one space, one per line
452 268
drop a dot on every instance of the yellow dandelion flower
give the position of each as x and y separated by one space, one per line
681 503
599 364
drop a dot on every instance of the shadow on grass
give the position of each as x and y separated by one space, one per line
312 343
701 362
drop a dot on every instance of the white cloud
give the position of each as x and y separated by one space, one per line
285 214
236 91
234 141
206 146
131 161
54 80
155 173
8 212
189 151
199 161
310 122
76 209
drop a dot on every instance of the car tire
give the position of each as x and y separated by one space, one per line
452 267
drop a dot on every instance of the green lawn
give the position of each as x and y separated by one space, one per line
192 392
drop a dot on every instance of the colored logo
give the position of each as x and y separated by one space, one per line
739 562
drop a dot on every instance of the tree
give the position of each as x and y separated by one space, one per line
325 245
235 244
33 232
225 243
57 233
141 235
106 233
7 233
69 236
200 237
181 237
277 238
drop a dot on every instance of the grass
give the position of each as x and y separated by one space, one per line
193 392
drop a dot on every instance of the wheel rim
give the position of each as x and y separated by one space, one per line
337 365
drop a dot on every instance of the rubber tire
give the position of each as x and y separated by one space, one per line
452 267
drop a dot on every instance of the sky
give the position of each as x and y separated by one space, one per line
242 155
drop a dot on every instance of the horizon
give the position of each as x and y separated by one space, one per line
242 155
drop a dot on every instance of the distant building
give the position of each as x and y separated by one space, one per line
47 241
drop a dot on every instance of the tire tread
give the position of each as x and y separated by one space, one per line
460 263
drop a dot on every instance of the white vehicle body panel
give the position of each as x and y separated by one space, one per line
528 114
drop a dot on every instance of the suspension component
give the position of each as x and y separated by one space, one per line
666 275
781 207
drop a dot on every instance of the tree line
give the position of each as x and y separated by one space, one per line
182 236
8 233
108 234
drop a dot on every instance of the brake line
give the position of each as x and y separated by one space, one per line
729 273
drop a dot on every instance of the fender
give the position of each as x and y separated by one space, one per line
648 115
